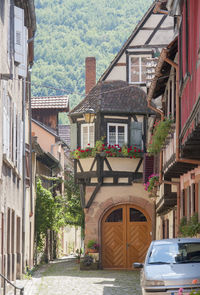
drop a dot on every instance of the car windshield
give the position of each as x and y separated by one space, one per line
174 253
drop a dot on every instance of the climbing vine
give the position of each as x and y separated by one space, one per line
54 212
74 211
48 213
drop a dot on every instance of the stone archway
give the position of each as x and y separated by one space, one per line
125 236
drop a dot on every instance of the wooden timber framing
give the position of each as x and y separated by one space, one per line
97 188
98 172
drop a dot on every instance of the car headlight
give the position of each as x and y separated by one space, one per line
154 283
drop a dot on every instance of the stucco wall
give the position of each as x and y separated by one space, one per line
45 139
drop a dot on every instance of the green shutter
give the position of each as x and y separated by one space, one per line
136 134
73 135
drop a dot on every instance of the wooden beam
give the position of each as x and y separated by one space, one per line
108 164
139 164
92 166
97 188
79 164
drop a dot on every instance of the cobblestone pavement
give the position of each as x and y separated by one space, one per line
63 277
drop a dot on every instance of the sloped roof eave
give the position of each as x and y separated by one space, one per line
127 42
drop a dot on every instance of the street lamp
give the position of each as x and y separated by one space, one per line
89 116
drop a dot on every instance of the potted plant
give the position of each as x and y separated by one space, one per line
92 246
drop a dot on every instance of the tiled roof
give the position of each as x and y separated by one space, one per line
114 97
50 102
64 133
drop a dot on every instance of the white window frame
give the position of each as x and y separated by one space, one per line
87 125
118 125
140 67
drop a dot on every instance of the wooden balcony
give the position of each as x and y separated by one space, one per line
108 170
172 168
167 199
169 151
191 147
190 133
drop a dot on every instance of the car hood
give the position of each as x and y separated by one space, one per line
186 272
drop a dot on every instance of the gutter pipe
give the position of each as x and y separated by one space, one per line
24 174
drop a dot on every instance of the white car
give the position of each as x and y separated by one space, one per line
171 264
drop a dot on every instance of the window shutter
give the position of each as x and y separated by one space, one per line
18 142
27 159
136 134
84 136
18 33
91 135
5 122
148 167
22 68
73 136
14 134
21 148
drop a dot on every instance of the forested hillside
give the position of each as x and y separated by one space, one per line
70 30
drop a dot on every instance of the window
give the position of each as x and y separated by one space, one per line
20 41
87 135
12 131
115 216
136 216
137 69
117 134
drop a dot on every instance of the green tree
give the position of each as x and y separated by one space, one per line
70 30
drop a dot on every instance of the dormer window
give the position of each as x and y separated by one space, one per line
137 68
87 135
117 134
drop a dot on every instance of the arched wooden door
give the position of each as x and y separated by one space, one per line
125 236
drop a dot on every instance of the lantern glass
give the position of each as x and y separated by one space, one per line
89 116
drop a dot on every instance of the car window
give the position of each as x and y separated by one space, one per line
174 253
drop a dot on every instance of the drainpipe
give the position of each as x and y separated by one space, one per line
24 173
30 144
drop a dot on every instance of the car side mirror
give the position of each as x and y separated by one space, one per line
138 265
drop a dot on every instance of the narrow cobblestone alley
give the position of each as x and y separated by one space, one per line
63 277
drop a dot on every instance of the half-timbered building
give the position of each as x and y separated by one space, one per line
177 79
117 208
118 212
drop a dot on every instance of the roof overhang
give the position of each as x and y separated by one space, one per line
162 70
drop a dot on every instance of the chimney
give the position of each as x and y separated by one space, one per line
90 73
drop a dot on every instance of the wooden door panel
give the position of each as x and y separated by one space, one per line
124 242
138 240
113 246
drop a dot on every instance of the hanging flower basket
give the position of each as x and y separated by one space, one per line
162 131
152 184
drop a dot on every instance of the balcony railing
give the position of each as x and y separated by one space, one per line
169 150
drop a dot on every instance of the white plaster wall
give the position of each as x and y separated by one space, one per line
153 21
4 66
117 73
